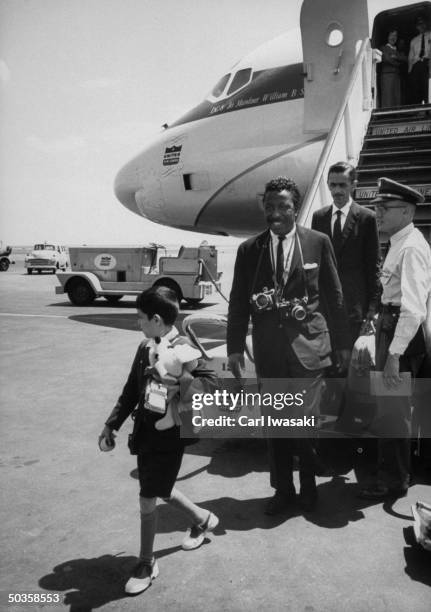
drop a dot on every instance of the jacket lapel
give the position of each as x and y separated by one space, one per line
326 222
296 264
264 271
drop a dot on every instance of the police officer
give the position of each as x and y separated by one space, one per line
400 339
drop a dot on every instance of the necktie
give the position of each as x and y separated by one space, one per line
336 232
422 51
280 260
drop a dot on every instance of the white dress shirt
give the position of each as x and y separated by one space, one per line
288 248
406 281
344 212
415 48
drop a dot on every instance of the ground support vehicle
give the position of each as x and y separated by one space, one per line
4 258
46 256
114 272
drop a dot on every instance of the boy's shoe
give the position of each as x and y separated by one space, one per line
143 575
197 533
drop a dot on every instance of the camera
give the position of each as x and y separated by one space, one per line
263 301
294 309
267 300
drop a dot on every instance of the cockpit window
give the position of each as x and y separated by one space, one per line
241 78
219 88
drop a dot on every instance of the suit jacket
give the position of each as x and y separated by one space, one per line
358 259
309 339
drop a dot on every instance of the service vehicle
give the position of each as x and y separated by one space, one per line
4 257
112 272
46 256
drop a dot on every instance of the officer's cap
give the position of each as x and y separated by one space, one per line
391 190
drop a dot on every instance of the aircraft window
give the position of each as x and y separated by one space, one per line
334 35
219 88
241 78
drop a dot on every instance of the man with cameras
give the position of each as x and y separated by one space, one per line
280 278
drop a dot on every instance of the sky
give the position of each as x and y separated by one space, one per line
86 84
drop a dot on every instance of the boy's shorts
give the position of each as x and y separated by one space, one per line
158 471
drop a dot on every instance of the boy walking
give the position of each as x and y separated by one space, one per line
159 451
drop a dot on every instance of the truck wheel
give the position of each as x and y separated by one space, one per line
113 299
80 293
171 285
4 264
29 271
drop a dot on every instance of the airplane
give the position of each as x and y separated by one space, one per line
269 115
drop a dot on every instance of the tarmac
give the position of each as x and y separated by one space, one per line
69 513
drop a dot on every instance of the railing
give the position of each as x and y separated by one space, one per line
345 138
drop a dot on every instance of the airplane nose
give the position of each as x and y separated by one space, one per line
126 185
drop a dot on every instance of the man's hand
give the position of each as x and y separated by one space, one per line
236 364
343 359
391 372
108 436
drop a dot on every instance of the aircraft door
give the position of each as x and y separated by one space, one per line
330 31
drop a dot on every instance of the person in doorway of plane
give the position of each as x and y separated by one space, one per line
419 63
400 333
281 278
390 75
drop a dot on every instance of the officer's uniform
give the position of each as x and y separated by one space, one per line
406 287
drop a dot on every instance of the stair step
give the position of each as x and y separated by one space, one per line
397 143
390 152
404 128
369 192
394 168
400 110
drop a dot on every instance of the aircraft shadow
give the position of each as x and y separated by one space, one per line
115 320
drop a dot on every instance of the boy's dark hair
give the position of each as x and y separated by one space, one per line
282 183
159 300
342 167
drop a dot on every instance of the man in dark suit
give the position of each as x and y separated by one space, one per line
354 236
286 263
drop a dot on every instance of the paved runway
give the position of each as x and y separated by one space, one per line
69 513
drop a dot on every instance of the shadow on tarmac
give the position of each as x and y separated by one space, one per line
91 583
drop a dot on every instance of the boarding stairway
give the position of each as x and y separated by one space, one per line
390 142
397 145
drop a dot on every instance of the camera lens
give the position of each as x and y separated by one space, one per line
261 301
298 313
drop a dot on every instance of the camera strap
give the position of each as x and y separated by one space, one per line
259 261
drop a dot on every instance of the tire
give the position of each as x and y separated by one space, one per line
171 285
113 299
193 301
80 293
4 264
29 271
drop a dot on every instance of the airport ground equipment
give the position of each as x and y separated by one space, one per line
4 257
112 272
46 256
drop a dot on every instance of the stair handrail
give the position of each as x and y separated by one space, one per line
341 118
